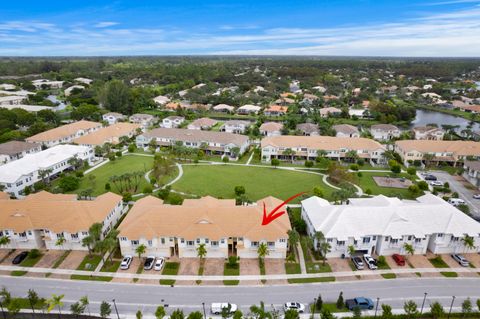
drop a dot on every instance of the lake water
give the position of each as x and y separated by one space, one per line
425 117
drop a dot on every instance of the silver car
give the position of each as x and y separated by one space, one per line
370 261
461 260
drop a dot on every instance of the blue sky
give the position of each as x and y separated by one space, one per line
304 27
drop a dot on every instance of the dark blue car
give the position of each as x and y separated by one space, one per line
360 302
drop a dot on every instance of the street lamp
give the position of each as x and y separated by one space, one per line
451 305
376 307
116 310
423 303
314 306
204 313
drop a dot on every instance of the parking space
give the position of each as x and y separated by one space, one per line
132 270
454 264
392 264
249 267
213 267
421 261
73 259
49 258
4 253
474 259
8 260
275 267
188 267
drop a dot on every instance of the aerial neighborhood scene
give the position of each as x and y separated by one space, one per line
238 166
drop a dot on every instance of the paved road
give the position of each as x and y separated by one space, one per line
463 192
133 297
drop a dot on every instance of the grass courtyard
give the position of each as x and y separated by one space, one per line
220 180
125 164
367 182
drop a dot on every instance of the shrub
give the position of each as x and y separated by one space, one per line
455 195
360 162
107 186
147 189
422 185
111 157
175 199
368 191
164 192
317 191
131 148
239 190
411 171
34 253
79 174
354 167
69 183
308 164
153 180
127 197
118 154
396 169
359 174
382 262
232 261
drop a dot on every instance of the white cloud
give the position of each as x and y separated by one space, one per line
106 24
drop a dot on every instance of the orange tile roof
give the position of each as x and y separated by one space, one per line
110 134
63 131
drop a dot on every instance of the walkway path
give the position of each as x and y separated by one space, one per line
250 158
301 259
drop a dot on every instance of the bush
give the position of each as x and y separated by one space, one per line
359 174
455 195
148 189
34 253
317 191
396 169
107 186
360 162
118 153
308 164
232 261
79 174
111 157
164 192
239 190
368 191
131 148
422 185
69 183
127 197
411 171
175 199
153 180
381 262
354 167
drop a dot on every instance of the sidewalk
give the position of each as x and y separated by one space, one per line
155 276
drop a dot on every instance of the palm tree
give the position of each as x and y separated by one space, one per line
325 248
468 243
319 237
322 153
140 250
259 312
262 251
4 241
201 253
351 250
88 242
55 301
60 241
409 249
77 309
428 157
293 238
289 152
351 156
85 302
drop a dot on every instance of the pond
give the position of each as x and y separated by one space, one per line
425 117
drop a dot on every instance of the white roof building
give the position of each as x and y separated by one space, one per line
52 84
161 100
382 225
248 108
17 175
28 108
69 90
84 80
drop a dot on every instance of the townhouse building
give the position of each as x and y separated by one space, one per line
39 220
113 117
223 227
109 134
235 126
276 110
383 225
346 130
428 133
12 99
249 109
385 132
435 151
224 108
64 134
144 120
271 129
41 83
219 143
203 123
307 147
172 121
47 164
472 172
308 129
14 150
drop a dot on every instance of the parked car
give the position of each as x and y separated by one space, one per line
456 201
370 261
461 260
159 264
20 257
125 264
430 177
216 308
360 302
436 183
294 306
399 259
149 262
476 196
357 261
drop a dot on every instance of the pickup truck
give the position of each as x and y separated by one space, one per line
217 307
360 302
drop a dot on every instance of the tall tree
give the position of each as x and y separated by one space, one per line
115 97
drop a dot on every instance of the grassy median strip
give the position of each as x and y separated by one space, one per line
231 270
171 269
261 265
389 276
310 280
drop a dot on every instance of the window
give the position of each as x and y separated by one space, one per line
134 242
355 242
214 243
282 240
24 234
394 241
271 244
454 239
439 235
60 235
418 240
409 237
386 238
150 243
223 241
329 240
206 241
190 243
123 238
341 243
198 240
374 237
366 240
162 240
254 243
30 233
74 236
85 233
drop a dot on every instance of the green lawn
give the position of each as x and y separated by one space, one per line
92 260
438 262
220 180
333 307
94 278
389 276
170 268
367 182
60 259
449 274
317 267
310 280
125 164
111 267
233 270
292 268
30 262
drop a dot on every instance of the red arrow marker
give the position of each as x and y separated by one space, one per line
267 219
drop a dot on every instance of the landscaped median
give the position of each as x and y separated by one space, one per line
169 276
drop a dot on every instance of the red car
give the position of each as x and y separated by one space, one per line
400 260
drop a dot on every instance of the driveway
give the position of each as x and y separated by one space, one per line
453 264
474 259
274 266
394 265
136 262
457 185
188 266
213 267
339 264
249 266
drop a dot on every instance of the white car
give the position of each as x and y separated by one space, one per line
370 261
476 196
436 183
217 307
461 260
159 264
127 260
300 308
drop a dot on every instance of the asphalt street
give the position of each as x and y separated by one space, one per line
132 297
